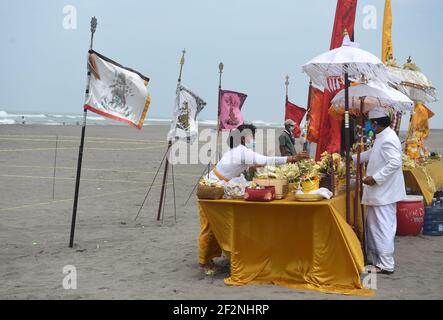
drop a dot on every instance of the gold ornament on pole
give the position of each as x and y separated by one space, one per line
287 84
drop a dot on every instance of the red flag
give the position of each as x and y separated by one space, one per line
344 20
296 114
229 109
330 134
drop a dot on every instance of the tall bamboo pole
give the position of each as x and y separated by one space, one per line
165 173
220 70
308 111
82 140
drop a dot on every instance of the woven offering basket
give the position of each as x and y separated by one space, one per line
210 192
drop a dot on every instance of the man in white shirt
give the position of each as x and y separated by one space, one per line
383 187
241 157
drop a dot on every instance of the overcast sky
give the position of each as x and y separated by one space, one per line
43 63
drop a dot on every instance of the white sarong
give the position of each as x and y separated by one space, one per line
381 225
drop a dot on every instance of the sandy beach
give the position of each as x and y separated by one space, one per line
119 258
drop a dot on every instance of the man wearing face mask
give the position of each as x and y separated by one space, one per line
242 156
383 187
287 139
239 158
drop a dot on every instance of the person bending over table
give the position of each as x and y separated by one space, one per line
239 158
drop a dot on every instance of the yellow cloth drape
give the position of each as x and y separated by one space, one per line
420 121
306 245
425 180
387 50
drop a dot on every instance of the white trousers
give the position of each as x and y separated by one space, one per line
381 226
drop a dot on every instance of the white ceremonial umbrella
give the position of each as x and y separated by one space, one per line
373 94
328 69
336 67
413 82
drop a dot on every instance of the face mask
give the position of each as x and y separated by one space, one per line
250 144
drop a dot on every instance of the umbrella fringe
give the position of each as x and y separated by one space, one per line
320 73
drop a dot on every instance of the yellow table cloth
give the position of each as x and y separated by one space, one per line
306 245
426 179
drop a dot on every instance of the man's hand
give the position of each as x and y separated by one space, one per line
369 180
299 156
302 155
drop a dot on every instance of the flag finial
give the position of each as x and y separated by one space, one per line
287 84
182 60
93 28
220 69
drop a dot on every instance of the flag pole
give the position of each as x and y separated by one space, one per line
82 140
287 84
359 179
358 172
347 147
220 70
165 173
308 112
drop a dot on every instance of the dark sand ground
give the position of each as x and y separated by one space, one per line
117 257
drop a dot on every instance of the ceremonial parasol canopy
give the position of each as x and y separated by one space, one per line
372 94
327 70
336 67
413 82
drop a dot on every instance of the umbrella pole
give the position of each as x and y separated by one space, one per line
358 176
305 143
347 149
359 173
360 180
408 133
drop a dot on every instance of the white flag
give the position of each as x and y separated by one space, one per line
117 92
187 106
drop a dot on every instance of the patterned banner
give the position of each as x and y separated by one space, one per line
117 92
187 106
229 112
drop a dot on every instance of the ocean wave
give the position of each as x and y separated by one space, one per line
95 118
158 120
13 115
7 121
208 122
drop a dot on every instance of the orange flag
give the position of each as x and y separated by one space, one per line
315 107
420 120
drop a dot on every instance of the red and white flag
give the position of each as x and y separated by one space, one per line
117 92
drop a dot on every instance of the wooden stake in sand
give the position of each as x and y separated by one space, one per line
55 167
161 205
82 140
